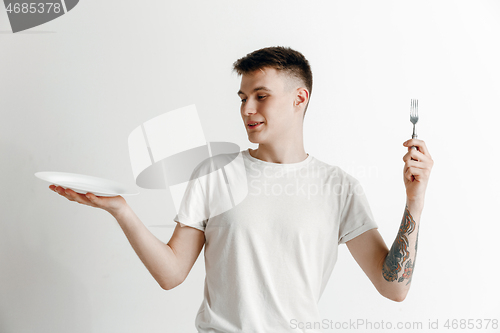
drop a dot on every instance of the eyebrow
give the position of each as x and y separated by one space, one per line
256 89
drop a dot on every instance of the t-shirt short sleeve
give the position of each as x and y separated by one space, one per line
356 216
193 211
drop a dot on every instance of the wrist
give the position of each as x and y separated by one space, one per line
415 206
120 212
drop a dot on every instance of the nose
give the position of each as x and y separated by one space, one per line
248 108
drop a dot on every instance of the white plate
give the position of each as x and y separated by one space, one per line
84 184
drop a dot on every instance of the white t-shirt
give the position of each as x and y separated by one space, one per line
270 256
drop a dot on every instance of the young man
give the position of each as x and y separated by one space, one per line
269 258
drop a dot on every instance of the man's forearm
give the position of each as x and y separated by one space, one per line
400 261
157 256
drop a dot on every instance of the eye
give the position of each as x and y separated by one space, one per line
262 96
243 100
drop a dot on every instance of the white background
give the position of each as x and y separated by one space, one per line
72 90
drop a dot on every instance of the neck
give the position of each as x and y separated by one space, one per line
286 148
282 154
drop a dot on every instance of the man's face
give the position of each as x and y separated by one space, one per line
267 98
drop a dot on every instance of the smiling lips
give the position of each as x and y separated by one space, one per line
254 124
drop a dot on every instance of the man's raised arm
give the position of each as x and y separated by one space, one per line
391 270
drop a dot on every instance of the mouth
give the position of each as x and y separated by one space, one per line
254 125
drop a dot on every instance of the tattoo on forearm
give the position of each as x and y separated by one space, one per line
408 274
399 252
408 271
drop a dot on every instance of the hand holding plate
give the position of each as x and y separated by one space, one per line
110 204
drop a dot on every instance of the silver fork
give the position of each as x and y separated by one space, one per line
414 117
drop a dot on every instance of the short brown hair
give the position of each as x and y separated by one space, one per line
283 59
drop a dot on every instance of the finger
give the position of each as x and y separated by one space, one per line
80 198
408 175
408 167
61 191
92 198
67 193
424 169
413 154
416 155
420 144
413 174
420 174
414 164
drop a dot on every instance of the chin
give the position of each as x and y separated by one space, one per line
257 138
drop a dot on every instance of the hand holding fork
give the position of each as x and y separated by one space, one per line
418 161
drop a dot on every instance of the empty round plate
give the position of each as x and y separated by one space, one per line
84 184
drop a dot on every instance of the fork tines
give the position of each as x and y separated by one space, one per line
414 115
414 110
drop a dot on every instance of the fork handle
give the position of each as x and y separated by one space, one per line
414 136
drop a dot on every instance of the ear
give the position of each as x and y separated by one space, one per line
301 98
